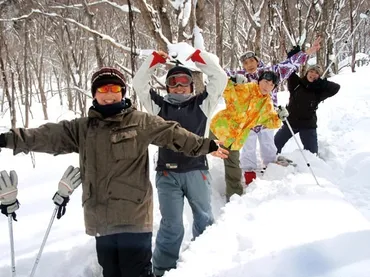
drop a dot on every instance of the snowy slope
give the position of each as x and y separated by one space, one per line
283 228
285 225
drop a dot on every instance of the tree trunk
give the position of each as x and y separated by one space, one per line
41 87
4 69
219 33
13 119
353 43
200 13
152 23
233 33
163 16
27 85
98 54
197 76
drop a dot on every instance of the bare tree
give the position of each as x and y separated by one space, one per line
54 46
219 29
4 69
233 36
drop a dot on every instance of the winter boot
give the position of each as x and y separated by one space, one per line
249 176
281 160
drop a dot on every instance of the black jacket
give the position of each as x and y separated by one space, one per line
195 122
304 99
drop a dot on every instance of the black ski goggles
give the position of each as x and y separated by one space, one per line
181 79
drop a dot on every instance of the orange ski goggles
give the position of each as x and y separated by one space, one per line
110 88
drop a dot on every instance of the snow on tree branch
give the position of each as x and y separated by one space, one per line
151 17
82 26
176 4
186 12
198 38
254 19
123 8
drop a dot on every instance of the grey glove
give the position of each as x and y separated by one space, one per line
282 113
71 179
240 79
8 193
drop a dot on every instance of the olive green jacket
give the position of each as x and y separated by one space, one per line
117 193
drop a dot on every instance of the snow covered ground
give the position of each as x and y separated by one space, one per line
285 224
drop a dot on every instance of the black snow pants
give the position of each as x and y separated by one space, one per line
125 254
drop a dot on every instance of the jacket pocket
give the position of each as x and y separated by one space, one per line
124 192
124 144
206 177
128 205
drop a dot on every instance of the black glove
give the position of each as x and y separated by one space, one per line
2 141
10 209
61 202
319 84
293 51
213 146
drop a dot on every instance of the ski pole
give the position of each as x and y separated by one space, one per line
300 149
282 21
363 16
44 241
10 224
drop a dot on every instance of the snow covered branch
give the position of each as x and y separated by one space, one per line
72 21
123 8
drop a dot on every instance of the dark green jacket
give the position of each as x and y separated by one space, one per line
117 193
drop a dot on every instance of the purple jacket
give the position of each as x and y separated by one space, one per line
284 69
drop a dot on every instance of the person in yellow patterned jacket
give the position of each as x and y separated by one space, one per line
247 105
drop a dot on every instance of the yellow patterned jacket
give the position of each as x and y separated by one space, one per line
246 107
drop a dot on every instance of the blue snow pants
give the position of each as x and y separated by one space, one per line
172 187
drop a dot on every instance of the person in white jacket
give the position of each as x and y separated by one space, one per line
180 176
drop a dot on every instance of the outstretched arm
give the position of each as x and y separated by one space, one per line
52 138
171 135
292 63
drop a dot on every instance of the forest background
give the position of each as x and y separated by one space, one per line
51 48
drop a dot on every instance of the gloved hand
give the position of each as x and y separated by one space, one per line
240 79
282 113
2 141
319 84
8 193
293 51
71 179
216 150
